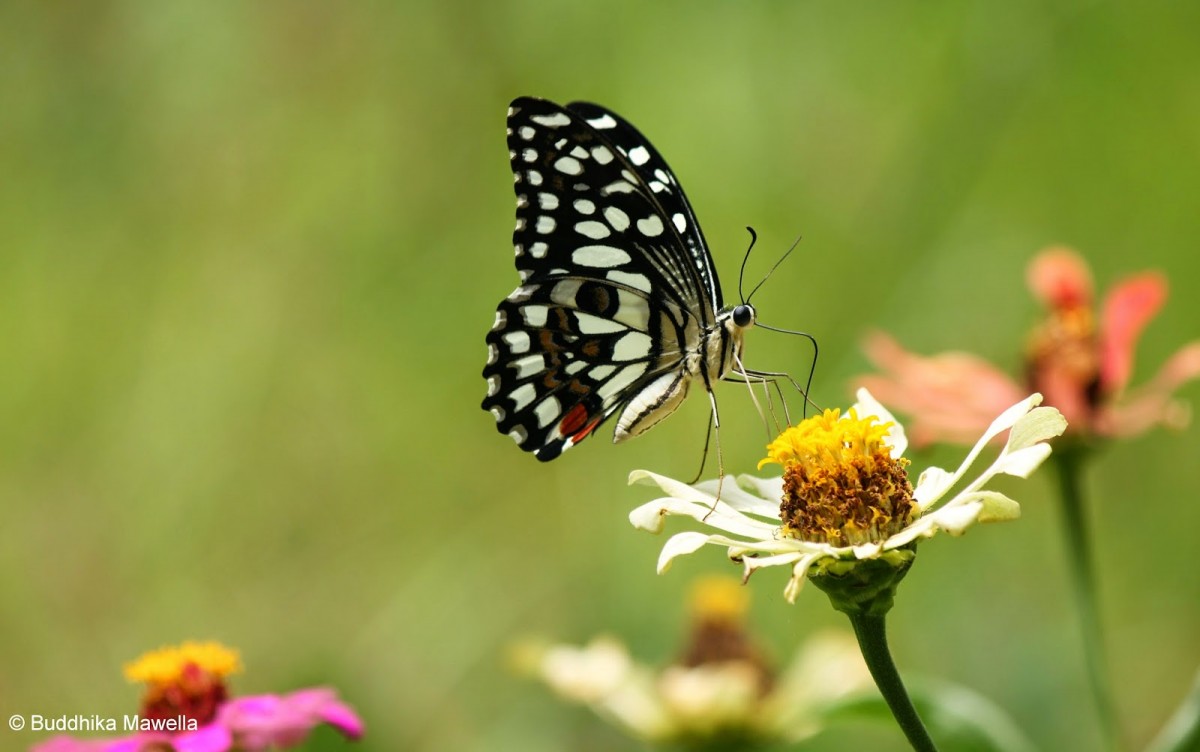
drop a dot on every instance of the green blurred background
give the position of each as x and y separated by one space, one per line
249 252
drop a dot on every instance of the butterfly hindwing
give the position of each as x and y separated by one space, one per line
565 354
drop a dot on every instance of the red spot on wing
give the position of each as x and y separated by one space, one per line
586 430
574 420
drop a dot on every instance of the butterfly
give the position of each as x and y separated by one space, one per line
619 309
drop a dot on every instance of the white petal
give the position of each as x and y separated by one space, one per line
753 563
996 506
670 486
680 544
704 509
868 405
799 574
867 550
1023 461
589 673
931 486
738 498
925 527
1007 419
1036 426
768 488
649 517
955 520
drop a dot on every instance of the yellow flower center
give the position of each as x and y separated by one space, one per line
841 484
719 599
187 680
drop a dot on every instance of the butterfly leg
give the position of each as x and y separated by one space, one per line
704 456
772 375
716 424
766 384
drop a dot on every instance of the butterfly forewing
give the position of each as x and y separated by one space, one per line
616 282
653 169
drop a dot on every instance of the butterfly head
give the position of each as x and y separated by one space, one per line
743 316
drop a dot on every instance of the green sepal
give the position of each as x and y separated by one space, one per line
864 587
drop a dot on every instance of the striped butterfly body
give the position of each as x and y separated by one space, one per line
619 309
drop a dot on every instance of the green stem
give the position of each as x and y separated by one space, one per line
1069 464
872 640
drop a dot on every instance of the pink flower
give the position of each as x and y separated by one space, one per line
1082 366
186 698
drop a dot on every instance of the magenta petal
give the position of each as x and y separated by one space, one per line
211 738
264 721
323 703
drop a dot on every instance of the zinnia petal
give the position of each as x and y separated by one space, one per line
951 396
1059 278
1129 306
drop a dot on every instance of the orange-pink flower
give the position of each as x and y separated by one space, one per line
1080 363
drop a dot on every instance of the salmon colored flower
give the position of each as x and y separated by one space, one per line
186 708
1080 361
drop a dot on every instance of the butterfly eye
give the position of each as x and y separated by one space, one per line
743 315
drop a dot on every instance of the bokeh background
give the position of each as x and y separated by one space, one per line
249 252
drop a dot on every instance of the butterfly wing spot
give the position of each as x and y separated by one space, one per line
592 229
598 300
602 154
600 256
517 341
522 396
574 420
650 226
568 166
617 218
632 279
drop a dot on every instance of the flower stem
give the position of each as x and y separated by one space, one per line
872 640
1069 466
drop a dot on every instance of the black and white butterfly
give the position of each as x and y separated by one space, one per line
619 308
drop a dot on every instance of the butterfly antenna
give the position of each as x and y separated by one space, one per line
742 272
773 268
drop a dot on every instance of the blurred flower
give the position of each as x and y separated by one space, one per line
186 708
1081 365
721 693
844 499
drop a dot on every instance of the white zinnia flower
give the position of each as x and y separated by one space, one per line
720 688
844 496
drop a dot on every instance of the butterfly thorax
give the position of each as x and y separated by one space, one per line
716 353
